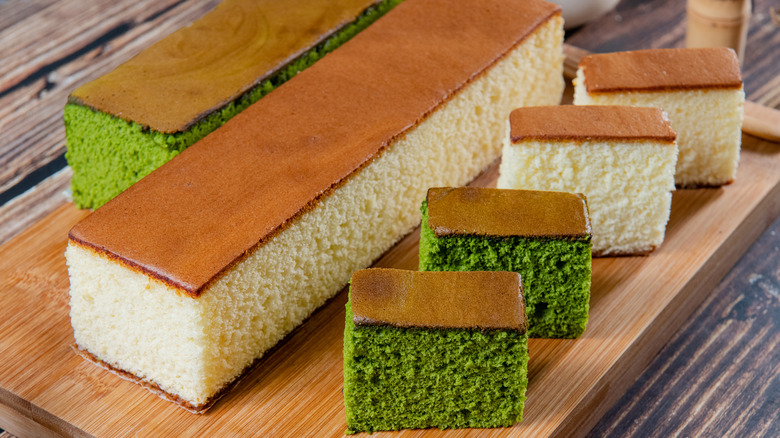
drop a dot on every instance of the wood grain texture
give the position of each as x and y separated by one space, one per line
76 43
15 11
35 204
705 381
636 305
22 425
713 378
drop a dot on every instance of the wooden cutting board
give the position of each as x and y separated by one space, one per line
637 303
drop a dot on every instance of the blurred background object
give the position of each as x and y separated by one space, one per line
718 23
577 12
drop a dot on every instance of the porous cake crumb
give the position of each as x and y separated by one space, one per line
701 91
621 158
434 349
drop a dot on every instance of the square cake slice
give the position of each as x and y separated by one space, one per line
434 349
621 158
188 277
544 236
701 91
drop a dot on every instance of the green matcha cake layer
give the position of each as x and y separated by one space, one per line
113 144
556 271
399 377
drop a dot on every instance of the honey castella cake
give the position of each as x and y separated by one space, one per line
700 89
127 123
434 349
621 158
544 236
189 276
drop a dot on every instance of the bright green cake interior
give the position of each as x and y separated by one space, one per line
399 378
555 273
108 154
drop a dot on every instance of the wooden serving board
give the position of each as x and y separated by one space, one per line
637 303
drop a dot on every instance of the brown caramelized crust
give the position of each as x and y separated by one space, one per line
200 68
191 219
584 122
662 69
499 213
467 300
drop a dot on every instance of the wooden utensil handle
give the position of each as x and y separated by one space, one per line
572 58
759 121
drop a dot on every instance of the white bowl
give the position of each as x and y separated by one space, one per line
577 12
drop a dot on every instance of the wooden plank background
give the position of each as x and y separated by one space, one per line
720 374
48 48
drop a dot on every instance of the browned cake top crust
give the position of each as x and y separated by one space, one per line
184 77
191 219
584 122
662 69
501 213
470 300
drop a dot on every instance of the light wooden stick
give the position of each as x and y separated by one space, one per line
759 121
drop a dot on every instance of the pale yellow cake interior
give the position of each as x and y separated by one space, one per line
193 347
628 185
708 124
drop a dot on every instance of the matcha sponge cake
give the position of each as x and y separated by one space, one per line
545 236
434 349
127 123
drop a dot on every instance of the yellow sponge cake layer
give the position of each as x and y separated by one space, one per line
700 89
189 276
621 158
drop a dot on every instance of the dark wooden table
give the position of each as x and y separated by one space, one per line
719 375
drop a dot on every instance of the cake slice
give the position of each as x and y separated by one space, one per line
700 89
130 121
621 158
189 276
434 349
544 236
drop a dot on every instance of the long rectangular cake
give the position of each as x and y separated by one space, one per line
621 158
701 91
188 277
543 235
130 121
434 349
